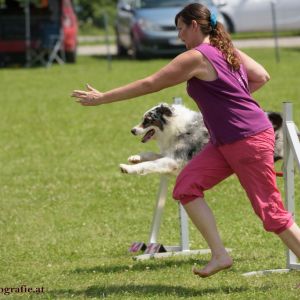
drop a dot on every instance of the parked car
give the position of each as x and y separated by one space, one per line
256 15
147 28
44 18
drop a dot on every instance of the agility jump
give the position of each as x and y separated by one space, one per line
291 155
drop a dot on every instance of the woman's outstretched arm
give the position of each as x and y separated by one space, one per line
180 69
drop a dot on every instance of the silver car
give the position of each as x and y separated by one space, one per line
256 15
146 28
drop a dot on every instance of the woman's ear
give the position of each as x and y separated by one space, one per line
194 24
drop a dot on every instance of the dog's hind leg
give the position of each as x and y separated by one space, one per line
163 165
144 156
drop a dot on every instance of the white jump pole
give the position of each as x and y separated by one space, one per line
291 154
160 204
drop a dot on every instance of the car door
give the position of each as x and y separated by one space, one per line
248 15
288 14
253 15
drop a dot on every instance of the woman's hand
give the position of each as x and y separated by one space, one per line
90 97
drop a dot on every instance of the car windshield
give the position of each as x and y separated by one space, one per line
167 3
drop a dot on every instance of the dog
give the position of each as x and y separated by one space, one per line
180 134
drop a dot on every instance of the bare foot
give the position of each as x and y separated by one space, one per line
215 265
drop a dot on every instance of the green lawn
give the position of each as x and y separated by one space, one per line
266 34
68 215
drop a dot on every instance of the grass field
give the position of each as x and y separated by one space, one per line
68 215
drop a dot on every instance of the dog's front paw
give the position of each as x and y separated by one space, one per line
123 168
134 159
126 169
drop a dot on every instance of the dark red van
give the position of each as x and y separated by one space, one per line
26 30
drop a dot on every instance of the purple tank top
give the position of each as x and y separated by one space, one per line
229 111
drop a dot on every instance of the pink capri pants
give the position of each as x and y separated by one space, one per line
251 159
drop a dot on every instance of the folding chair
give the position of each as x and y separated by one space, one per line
52 45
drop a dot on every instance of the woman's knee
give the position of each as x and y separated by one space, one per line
186 192
275 218
277 226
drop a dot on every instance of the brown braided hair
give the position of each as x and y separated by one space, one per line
218 36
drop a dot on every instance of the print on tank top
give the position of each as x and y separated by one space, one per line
239 75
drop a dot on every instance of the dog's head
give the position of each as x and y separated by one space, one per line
277 121
154 120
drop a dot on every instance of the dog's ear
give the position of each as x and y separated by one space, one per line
276 119
165 109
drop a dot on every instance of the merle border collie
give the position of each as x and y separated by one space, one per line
180 134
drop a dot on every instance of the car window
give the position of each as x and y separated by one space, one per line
166 3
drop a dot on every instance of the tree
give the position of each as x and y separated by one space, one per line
93 11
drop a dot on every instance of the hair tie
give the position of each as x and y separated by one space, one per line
213 18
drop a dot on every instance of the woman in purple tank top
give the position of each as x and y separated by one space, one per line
220 79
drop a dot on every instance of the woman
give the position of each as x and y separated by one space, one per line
220 79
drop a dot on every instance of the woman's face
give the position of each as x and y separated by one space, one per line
190 34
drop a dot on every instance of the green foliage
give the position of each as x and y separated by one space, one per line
93 12
68 215
261 35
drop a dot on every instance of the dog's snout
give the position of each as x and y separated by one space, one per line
133 131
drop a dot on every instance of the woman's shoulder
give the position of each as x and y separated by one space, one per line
191 61
191 55
207 48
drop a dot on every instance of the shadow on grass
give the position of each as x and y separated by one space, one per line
139 266
129 58
292 49
161 290
143 266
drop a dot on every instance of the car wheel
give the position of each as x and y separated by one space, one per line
71 56
228 24
134 50
121 51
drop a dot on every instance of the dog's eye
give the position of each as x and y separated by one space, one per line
147 121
